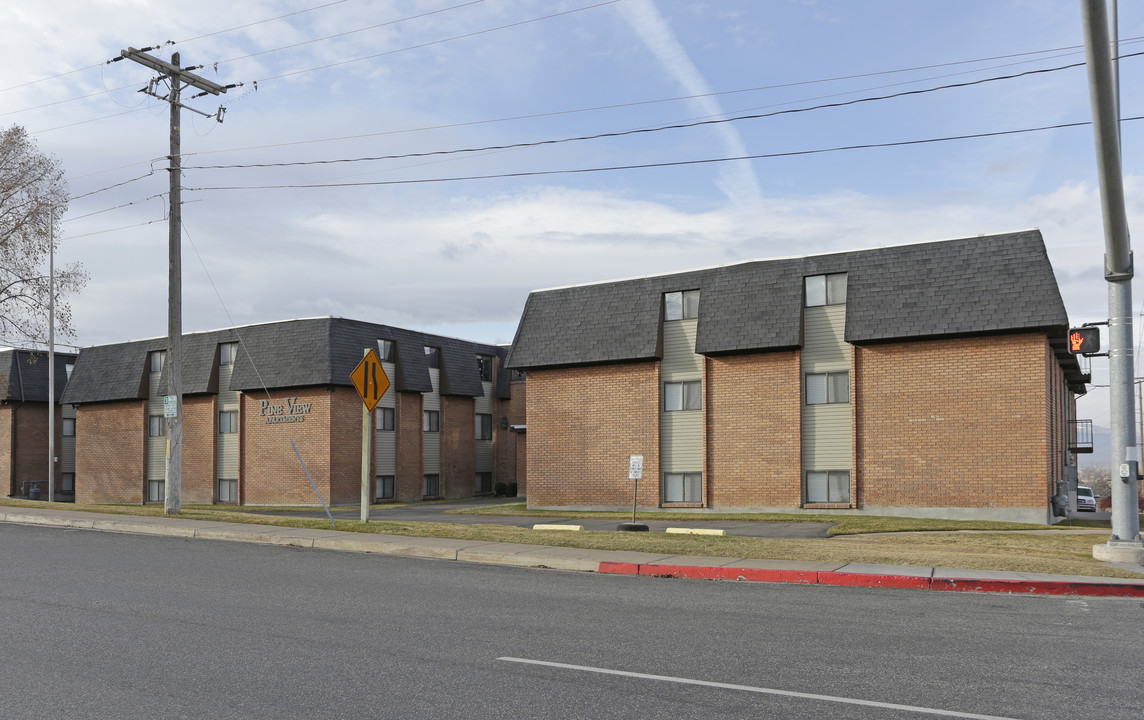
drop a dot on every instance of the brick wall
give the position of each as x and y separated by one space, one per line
752 406
200 431
583 424
953 422
110 439
345 447
7 450
458 446
409 480
270 472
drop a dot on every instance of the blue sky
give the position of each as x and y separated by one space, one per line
459 257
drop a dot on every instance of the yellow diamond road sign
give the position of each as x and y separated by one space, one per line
370 380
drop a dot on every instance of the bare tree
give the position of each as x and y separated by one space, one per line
33 190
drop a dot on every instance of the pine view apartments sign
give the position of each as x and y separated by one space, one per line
290 411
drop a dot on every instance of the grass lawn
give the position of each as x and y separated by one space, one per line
891 541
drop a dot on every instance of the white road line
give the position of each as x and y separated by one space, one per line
765 691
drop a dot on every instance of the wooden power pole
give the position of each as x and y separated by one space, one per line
177 77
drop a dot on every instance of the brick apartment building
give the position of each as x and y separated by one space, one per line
256 398
24 424
926 380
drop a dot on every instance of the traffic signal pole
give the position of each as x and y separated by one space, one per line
1124 544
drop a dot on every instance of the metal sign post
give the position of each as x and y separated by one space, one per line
371 382
635 472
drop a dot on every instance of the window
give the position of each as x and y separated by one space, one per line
156 426
227 353
431 421
156 360
385 350
683 487
826 388
484 426
227 490
67 483
68 369
433 357
385 487
681 305
517 375
385 418
826 290
681 396
155 489
227 422
432 485
69 427
828 486
484 482
485 367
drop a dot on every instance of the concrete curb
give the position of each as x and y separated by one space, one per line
1099 588
581 560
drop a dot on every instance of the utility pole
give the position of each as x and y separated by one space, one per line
177 77
52 357
1124 545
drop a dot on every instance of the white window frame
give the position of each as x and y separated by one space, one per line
827 388
687 486
431 421
156 426
68 425
832 482
682 396
386 419
156 490
825 289
681 305
156 358
386 350
232 490
227 422
227 353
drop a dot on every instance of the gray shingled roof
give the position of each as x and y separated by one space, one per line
293 353
979 285
24 375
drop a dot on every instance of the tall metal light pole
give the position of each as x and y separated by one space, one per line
172 487
1124 544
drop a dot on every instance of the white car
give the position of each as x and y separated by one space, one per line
1085 499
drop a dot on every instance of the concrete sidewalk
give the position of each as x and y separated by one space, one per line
604 561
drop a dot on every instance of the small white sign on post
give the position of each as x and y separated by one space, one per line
170 406
635 468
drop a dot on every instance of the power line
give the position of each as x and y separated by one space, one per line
109 187
117 207
658 128
678 163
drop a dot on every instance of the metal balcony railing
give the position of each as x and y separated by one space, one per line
1080 436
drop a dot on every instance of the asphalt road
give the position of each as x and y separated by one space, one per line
105 625
438 512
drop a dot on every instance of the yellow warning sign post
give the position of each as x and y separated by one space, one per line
371 382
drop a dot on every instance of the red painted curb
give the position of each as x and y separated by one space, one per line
902 582
906 582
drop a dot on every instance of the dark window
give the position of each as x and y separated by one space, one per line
227 490
385 350
484 426
69 427
682 396
828 486
431 421
155 490
681 305
484 482
432 485
827 388
826 290
67 483
156 426
385 487
518 375
156 360
227 422
433 357
485 367
385 418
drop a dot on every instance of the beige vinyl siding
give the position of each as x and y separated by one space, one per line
226 447
680 432
67 445
385 445
431 450
827 430
156 452
485 459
